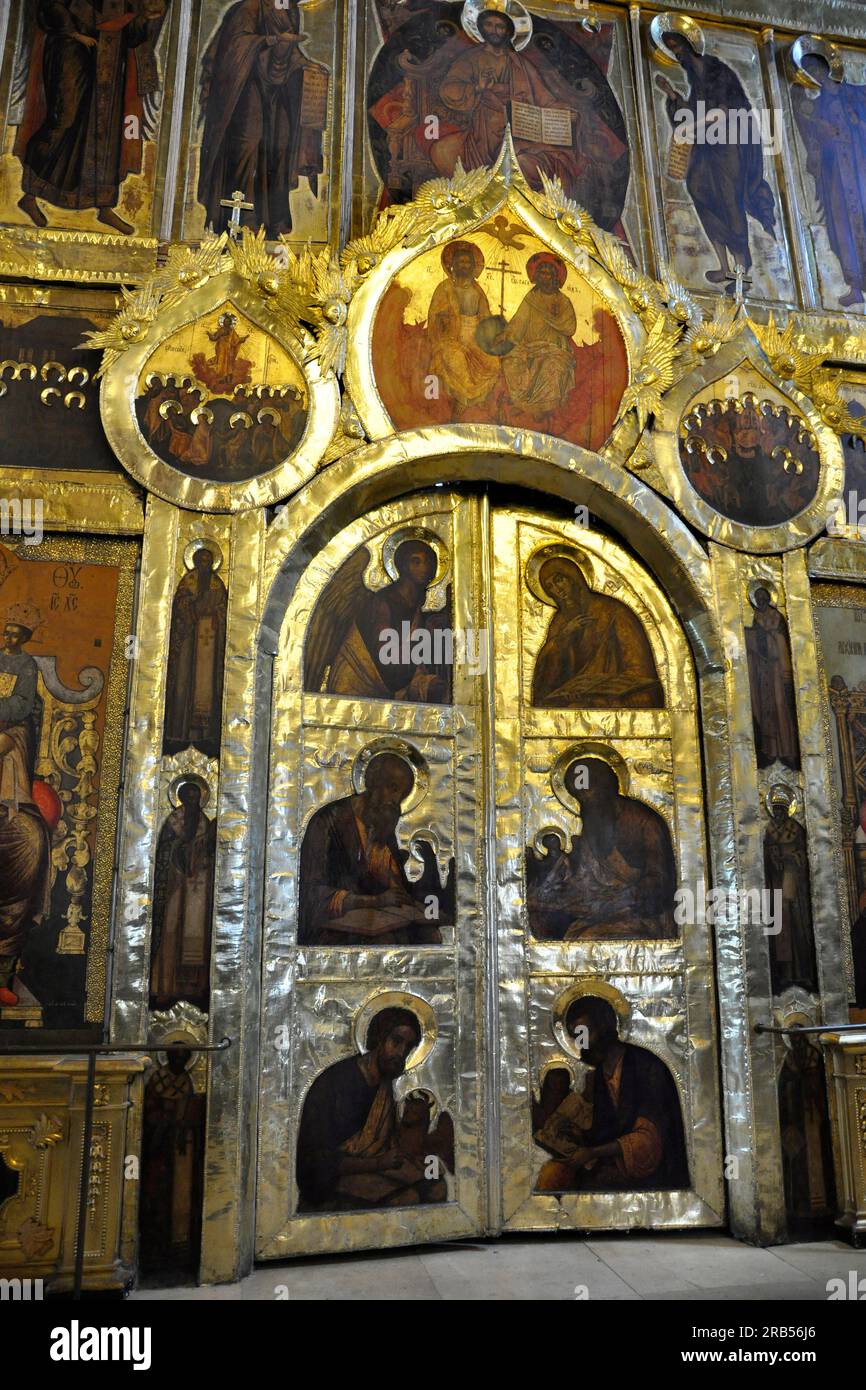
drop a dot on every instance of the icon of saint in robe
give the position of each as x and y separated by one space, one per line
263 103
625 1132
172 1159
90 98
183 903
832 124
24 835
466 373
618 879
724 181
225 369
786 870
596 654
771 682
354 1151
807 1156
351 647
354 890
196 655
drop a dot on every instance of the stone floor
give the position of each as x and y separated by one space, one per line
678 1267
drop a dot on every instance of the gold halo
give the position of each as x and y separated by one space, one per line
545 830
401 749
779 792
176 783
547 552
678 24
587 748
397 999
395 539
803 47
755 585
599 989
202 543
517 13
174 1039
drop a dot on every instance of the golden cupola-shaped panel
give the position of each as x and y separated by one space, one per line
495 311
210 395
745 458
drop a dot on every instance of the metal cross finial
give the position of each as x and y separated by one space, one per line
237 205
739 282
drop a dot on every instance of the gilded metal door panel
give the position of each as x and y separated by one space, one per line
320 999
488 788
662 989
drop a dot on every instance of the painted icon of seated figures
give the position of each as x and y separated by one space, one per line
354 1150
596 654
618 878
377 643
625 1131
354 890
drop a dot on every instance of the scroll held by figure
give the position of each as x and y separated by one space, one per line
383 643
624 1132
90 108
497 329
596 654
354 889
356 1149
617 881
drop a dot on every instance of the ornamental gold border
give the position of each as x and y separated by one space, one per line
120 386
744 351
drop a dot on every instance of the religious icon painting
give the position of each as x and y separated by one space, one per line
850 521
750 464
87 129
495 328
622 1128
261 138
65 608
716 137
827 96
381 629
561 84
48 383
840 622
214 406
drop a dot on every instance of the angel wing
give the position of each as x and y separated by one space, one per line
332 616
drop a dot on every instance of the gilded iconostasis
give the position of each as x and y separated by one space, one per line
432 574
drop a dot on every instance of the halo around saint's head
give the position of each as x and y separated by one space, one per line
182 780
202 543
512 9
673 24
580 752
399 748
597 989
397 999
539 558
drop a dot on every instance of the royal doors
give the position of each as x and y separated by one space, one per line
484 1005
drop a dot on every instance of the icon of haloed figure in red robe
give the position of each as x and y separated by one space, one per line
252 98
354 1149
625 1132
92 67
